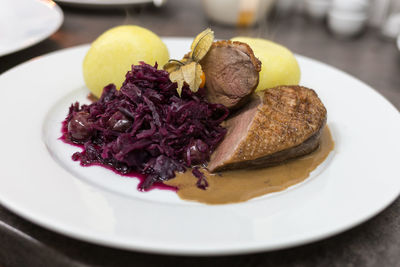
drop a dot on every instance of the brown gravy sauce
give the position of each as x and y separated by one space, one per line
242 185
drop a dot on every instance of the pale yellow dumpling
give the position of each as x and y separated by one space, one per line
113 53
279 66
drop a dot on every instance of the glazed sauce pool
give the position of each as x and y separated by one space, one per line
241 185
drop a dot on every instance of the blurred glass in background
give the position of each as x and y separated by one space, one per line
240 13
344 18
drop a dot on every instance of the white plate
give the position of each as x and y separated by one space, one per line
108 3
24 23
398 42
40 182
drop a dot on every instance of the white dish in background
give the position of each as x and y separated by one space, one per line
24 23
398 42
317 8
391 27
344 23
41 183
237 12
108 3
351 5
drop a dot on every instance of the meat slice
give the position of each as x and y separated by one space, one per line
278 124
231 71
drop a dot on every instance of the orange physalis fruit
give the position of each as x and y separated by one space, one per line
188 70
203 79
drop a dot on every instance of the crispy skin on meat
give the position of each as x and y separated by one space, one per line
232 73
277 125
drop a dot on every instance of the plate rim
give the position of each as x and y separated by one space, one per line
51 5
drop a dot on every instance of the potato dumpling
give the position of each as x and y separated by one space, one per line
279 66
112 54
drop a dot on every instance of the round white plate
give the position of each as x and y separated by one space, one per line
40 182
24 23
108 3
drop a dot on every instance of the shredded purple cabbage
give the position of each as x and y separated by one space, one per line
146 127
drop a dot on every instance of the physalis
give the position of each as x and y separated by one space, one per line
188 70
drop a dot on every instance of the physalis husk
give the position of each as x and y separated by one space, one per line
188 70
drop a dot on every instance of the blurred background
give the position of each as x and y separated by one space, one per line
357 36
329 25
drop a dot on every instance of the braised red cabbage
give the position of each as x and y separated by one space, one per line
146 127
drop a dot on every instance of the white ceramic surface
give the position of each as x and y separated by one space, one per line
391 27
108 3
229 11
398 42
317 8
346 23
24 23
41 183
351 5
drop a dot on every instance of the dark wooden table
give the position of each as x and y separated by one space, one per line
368 57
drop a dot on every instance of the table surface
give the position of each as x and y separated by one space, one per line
369 57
